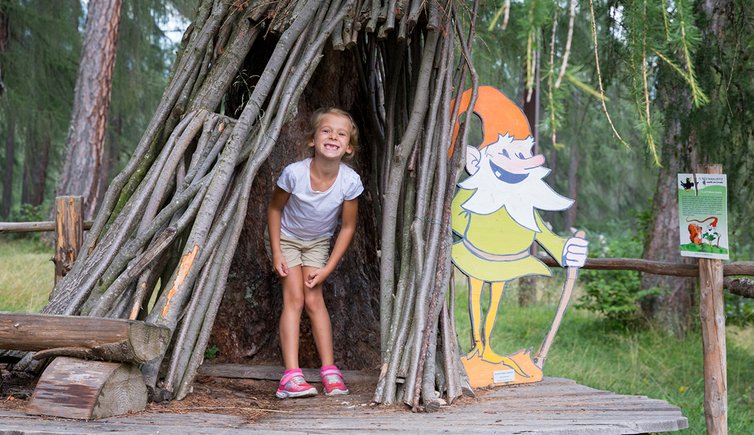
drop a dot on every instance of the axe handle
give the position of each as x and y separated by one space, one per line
565 297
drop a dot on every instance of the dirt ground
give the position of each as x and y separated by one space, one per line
253 398
247 398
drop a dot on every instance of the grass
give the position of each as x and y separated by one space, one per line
26 275
643 362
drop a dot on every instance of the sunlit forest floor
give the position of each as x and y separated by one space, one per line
586 349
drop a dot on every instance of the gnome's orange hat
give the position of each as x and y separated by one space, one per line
498 113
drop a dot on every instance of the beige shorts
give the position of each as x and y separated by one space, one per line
312 253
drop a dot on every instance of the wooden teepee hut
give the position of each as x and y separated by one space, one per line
178 240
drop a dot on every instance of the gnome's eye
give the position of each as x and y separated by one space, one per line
504 152
520 156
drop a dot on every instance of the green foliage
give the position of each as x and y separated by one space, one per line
140 75
40 64
572 127
738 310
211 352
614 294
723 128
28 213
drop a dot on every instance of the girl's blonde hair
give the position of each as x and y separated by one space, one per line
316 119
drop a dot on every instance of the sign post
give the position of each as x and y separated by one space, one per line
711 201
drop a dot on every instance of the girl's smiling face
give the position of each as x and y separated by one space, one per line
332 137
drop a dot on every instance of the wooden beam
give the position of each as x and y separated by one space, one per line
33 227
712 313
656 267
69 233
83 337
740 286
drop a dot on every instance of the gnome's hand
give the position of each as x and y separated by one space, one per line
575 252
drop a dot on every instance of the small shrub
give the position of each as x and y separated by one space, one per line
211 352
615 294
28 213
739 311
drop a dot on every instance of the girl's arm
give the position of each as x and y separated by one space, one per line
274 214
347 229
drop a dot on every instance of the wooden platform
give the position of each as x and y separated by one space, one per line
554 406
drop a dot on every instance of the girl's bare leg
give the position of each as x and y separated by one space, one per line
290 319
321 327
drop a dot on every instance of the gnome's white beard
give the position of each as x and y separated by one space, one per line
519 199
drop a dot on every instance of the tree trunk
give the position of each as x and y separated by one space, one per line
85 144
8 163
573 186
4 37
36 160
672 308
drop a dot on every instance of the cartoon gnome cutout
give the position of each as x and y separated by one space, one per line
495 214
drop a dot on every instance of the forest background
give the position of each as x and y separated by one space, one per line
639 100
618 109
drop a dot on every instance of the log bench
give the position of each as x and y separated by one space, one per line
96 372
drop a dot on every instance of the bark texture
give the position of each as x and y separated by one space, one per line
8 163
36 160
673 307
82 169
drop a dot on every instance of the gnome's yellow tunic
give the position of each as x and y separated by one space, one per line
495 248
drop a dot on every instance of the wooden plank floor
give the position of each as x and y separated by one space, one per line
554 406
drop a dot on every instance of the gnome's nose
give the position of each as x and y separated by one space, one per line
533 162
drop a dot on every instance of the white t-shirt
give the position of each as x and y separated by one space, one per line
311 215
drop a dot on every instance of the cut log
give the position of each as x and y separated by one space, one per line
85 337
74 388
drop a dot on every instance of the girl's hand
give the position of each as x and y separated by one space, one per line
315 278
281 267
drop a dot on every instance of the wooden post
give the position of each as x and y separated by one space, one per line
712 313
69 233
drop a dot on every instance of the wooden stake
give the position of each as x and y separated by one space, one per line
69 233
712 313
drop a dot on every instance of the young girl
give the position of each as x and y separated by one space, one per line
309 197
